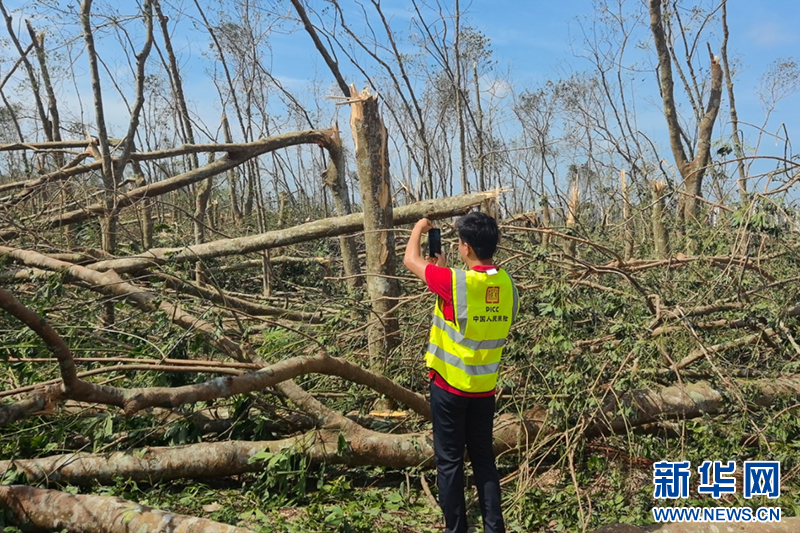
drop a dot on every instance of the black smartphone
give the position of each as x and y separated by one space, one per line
434 242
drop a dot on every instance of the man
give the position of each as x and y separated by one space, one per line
473 314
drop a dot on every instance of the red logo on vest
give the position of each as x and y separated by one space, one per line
492 295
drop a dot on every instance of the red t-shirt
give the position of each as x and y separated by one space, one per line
440 282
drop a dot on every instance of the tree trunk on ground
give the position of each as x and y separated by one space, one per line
71 386
618 413
36 509
372 159
111 284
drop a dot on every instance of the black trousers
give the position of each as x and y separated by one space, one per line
461 422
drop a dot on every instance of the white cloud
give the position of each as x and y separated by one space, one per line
495 87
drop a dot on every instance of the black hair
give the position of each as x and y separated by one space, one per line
480 231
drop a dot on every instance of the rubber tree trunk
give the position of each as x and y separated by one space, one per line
570 247
335 180
108 223
33 509
627 221
692 170
660 238
144 208
329 227
545 221
372 161
202 195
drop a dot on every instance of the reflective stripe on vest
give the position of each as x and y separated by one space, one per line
452 359
466 351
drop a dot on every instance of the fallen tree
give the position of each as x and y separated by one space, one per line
317 229
34 509
341 441
236 155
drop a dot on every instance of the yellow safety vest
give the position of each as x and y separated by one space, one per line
466 352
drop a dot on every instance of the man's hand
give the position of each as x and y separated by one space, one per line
439 260
424 225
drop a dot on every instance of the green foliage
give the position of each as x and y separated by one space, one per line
284 475
584 337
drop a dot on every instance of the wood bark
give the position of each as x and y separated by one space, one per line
572 218
236 155
618 413
660 236
111 284
627 220
133 400
329 227
108 219
34 509
692 171
336 181
372 159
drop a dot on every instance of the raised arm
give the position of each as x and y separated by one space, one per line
413 260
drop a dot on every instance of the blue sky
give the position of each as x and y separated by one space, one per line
538 40
532 42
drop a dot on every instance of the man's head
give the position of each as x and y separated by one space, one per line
480 232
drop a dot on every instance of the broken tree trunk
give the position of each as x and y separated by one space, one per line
31 508
692 171
660 236
202 196
335 180
627 220
372 160
328 227
572 218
